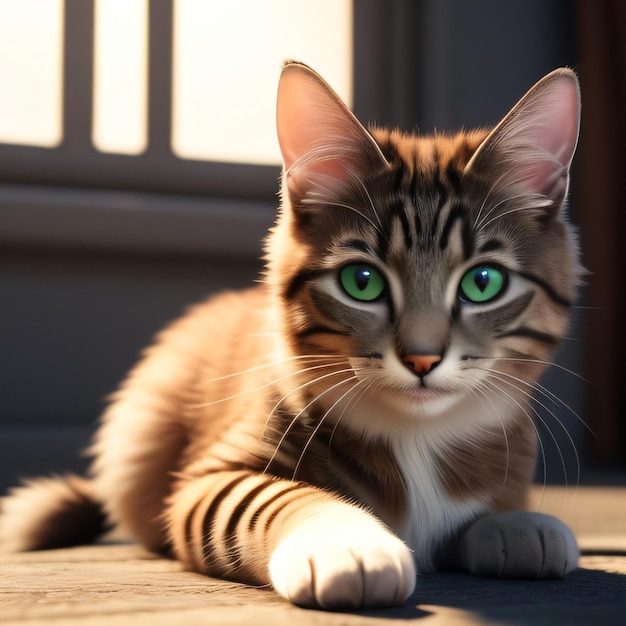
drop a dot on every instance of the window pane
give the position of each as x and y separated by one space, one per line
31 57
120 76
227 59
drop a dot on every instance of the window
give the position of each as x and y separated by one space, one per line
31 34
222 61
227 57
132 153
120 82
165 107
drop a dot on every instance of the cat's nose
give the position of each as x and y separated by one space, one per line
421 364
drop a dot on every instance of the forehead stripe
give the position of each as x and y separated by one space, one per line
458 212
397 210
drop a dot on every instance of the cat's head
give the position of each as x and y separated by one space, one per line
438 269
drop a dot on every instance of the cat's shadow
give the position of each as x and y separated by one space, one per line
584 597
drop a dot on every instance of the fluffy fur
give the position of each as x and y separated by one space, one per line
364 414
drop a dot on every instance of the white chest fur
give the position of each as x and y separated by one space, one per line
432 515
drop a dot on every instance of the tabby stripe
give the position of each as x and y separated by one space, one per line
209 521
230 532
443 199
548 289
357 244
243 505
489 246
398 210
413 188
531 333
418 224
400 175
455 314
452 174
320 329
188 526
269 503
394 211
442 192
192 521
299 280
458 212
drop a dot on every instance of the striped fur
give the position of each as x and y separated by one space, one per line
284 435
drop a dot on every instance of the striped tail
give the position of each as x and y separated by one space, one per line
47 513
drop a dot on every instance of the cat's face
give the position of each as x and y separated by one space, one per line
439 271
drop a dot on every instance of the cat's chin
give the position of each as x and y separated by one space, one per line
390 412
427 394
428 402
416 403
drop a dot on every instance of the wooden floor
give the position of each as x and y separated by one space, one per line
123 584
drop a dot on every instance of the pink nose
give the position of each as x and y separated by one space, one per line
421 364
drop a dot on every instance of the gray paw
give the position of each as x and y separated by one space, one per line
517 544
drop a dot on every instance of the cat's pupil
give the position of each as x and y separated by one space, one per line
362 278
481 279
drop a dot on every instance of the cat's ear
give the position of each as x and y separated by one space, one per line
321 140
535 142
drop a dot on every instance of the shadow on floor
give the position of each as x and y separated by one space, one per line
584 597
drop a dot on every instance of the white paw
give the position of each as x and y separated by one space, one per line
343 567
517 544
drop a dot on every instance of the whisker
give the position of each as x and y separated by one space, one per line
280 361
349 207
479 223
263 386
485 223
542 389
496 409
323 419
538 361
365 190
550 395
524 411
557 401
515 382
305 408
304 385
482 206
351 404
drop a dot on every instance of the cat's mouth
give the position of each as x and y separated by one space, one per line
406 390
421 393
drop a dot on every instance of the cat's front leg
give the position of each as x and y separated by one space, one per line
517 544
336 556
314 548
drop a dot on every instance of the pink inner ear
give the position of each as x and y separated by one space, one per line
537 139
544 178
552 129
296 133
556 120
317 133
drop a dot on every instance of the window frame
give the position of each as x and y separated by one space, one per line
76 196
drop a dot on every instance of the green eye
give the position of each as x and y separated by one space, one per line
482 283
362 282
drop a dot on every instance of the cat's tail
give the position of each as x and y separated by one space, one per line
46 513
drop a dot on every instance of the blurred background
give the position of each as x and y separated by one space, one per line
139 169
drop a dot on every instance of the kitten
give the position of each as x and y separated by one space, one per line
363 415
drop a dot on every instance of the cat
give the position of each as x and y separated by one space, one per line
362 415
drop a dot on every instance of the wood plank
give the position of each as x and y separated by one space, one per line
111 584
